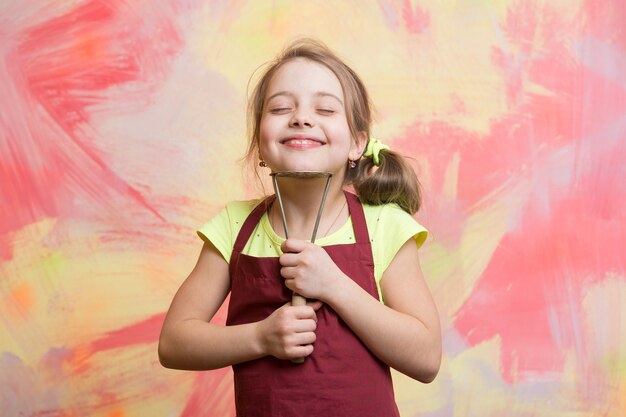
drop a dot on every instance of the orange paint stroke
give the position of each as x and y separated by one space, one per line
21 300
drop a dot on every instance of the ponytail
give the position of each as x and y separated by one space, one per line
391 181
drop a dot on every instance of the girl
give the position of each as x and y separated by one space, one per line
369 307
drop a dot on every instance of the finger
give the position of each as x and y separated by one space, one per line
306 338
303 312
288 272
306 326
300 351
288 259
290 283
293 245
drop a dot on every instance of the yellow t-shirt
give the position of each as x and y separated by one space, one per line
388 225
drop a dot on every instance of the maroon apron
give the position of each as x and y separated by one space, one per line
341 377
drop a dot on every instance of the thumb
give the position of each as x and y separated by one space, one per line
292 246
286 305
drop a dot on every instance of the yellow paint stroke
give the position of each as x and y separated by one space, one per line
605 324
604 362
475 376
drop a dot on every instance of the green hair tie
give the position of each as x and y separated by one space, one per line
374 146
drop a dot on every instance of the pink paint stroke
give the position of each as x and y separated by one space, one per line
565 148
415 18
58 73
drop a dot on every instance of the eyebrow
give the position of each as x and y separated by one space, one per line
317 94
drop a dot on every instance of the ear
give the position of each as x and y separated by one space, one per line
358 146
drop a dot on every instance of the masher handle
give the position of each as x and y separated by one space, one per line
298 300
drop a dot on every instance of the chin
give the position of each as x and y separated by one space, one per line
301 167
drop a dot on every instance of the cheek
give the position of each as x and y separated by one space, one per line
265 131
341 133
269 124
341 126
267 134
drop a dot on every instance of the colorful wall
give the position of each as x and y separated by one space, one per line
121 123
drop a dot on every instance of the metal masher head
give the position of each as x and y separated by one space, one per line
301 175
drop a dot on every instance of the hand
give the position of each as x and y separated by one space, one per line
289 332
308 269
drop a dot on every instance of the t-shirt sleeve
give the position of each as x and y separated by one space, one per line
222 229
395 227
218 231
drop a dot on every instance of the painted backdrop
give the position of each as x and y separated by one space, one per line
121 123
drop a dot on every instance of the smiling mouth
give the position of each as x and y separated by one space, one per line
302 142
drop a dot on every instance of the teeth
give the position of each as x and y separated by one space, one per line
301 141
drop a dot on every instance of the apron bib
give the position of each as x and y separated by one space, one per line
341 377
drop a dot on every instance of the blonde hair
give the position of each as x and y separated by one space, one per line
393 181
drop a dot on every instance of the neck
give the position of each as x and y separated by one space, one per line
301 199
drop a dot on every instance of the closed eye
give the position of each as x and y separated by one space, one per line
326 111
280 110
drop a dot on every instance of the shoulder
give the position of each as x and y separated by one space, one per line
239 210
222 229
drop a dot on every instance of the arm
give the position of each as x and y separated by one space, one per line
405 332
189 341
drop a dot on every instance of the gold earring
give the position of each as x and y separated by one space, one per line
262 164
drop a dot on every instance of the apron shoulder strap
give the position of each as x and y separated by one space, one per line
248 226
358 218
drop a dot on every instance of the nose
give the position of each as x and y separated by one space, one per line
301 118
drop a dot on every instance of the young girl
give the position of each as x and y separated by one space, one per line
368 305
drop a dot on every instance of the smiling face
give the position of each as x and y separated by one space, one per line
303 123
